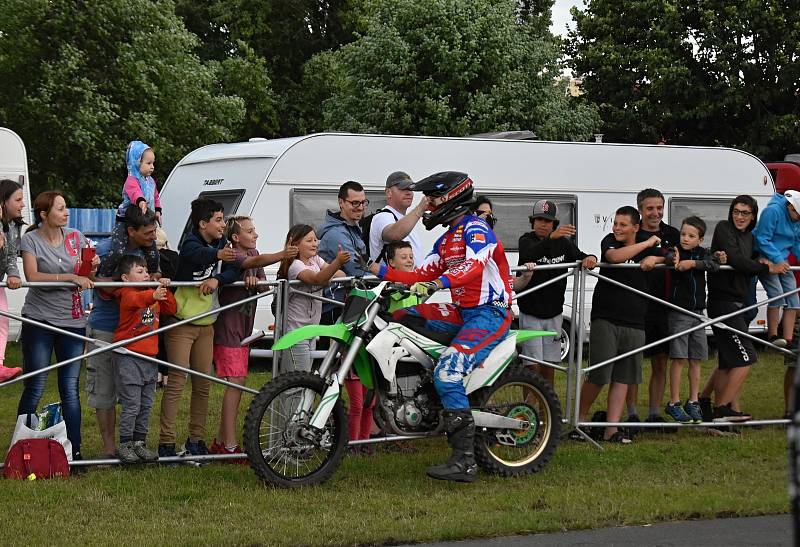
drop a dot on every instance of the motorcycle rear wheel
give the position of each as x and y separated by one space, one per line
523 394
278 453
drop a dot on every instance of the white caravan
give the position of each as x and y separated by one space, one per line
14 166
285 181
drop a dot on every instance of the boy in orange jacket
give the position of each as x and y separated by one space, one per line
135 378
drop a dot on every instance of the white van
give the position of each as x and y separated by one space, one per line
14 166
285 181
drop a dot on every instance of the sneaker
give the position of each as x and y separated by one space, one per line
127 453
6 373
167 450
777 341
694 411
676 412
726 414
144 453
196 448
220 448
217 447
706 409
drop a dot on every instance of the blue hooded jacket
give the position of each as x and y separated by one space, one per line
133 158
335 231
776 234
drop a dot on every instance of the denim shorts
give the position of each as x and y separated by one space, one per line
776 284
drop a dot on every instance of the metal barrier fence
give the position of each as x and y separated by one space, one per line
282 290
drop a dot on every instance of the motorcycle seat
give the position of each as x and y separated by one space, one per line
417 324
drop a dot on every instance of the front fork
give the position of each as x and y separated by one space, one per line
331 395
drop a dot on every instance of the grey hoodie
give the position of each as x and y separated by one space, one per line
335 231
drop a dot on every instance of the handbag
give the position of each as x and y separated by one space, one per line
36 459
57 432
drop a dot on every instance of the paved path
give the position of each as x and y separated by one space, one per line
761 531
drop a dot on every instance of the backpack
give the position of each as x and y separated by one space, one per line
36 459
366 226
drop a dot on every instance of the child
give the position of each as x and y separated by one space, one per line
139 190
400 256
233 325
168 260
314 272
548 242
11 203
618 317
191 345
135 378
688 292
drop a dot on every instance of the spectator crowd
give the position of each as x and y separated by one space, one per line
219 251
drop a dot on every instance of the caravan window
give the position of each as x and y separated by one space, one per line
309 206
710 210
512 212
229 199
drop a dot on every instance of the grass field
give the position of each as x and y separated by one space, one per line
386 498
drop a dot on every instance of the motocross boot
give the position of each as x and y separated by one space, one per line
460 428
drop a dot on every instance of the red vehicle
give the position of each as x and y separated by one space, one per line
786 174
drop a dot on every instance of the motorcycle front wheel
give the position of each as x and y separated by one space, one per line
283 451
522 394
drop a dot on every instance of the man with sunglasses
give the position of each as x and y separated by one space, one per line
341 231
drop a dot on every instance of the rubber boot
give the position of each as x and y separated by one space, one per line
460 429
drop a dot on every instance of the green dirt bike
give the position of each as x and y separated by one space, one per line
295 431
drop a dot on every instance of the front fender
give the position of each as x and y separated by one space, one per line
523 335
337 331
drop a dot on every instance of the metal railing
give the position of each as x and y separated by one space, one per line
282 290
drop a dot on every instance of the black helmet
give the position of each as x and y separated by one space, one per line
454 187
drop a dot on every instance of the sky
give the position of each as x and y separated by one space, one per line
561 16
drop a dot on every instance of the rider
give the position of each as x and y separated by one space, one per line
470 261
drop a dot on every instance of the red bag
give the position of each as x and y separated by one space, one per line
44 458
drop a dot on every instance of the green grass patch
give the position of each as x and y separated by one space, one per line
387 498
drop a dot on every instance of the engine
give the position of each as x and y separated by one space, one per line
413 405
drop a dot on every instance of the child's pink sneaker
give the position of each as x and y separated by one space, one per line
6 373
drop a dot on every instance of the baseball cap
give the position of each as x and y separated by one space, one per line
793 197
399 179
544 208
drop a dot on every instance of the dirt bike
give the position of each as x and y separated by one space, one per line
295 431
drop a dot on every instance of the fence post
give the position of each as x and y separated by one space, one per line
579 349
281 305
576 317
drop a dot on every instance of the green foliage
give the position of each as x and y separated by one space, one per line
81 79
705 72
448 67
281 36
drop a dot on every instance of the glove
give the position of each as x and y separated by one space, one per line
424 288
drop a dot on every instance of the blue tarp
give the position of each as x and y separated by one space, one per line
95 223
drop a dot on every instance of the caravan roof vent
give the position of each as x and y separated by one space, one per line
257 139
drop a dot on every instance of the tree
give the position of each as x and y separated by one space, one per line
82 79
279 35
449 67
705 72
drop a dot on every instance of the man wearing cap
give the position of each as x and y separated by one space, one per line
548 243
777 233
393 223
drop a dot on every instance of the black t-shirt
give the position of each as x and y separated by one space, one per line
659 281
549 301
617 304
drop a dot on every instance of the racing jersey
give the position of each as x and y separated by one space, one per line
469 260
